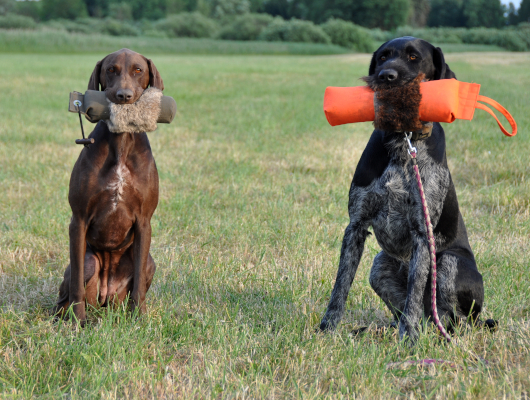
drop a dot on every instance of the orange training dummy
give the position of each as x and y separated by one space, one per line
442 100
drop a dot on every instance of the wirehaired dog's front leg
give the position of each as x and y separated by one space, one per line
419 268
350 256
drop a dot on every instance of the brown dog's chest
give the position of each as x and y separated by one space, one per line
116 184
114 209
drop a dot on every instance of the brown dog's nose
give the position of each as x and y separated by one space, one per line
124 94
388 75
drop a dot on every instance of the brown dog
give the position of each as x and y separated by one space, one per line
113 194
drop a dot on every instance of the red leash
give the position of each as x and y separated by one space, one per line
430 236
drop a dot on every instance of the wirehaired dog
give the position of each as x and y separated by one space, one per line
114 191
385 196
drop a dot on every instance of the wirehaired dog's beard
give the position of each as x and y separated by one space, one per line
397 106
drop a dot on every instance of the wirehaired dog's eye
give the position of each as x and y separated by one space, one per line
412 57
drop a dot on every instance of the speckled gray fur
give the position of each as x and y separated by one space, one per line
392 206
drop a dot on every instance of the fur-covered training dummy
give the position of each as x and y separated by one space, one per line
141 116
397 108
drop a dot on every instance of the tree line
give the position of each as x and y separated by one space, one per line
383 14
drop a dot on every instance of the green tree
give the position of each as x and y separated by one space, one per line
487 13
512 18
68 9
97 8
222 8
121 11
524 11
446 13
419 13
384 14
6 6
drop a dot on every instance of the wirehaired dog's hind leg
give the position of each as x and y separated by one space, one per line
388 278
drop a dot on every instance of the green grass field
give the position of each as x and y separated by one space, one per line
253 204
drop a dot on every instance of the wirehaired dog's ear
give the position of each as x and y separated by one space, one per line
94 82
155 80
373 63
441 69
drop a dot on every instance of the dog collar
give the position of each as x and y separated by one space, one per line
424 132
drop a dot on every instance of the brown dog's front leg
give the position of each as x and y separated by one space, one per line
142 242
77 265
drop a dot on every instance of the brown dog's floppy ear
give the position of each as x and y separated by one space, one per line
94 82
442 70
155 80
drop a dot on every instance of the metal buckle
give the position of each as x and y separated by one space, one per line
411 149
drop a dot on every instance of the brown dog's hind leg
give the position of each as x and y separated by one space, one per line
91 278
126 283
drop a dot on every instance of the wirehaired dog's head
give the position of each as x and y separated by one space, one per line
396 71
399 61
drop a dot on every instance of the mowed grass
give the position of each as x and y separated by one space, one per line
253 204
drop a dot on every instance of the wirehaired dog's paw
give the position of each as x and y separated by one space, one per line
328 324
408 332
377 330
491 324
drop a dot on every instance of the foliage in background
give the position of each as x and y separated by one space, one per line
231 20
107 26
223 8
69 9
419 12
245 27
14 21
187 25
349 35
523 14
514 39
381 14
294 30
467 13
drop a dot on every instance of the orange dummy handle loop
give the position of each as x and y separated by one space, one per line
500 109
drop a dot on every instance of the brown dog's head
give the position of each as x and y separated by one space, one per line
124 75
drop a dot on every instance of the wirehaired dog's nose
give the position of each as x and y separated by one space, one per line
124 94
388 75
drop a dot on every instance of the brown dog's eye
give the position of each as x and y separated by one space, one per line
111 69
412 57
137 70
